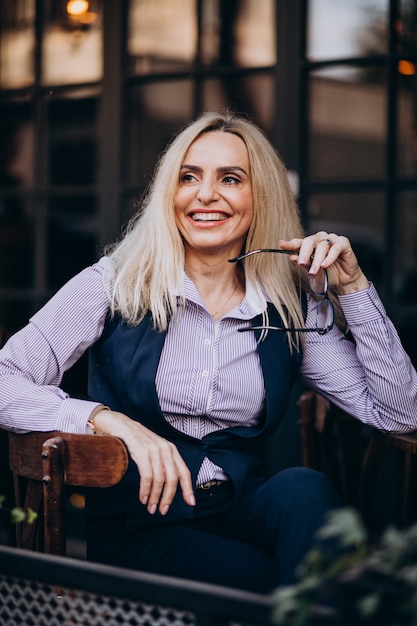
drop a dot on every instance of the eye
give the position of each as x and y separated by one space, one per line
187 178
230 179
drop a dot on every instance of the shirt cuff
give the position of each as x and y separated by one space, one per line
74 415
362 306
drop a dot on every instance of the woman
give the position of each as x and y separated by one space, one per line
172 374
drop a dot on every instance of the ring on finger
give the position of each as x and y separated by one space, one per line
328 241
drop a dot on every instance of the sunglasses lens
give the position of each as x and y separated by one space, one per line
318 283
325 316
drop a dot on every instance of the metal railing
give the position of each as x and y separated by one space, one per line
42 590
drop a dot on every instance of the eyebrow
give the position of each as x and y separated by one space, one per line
222 170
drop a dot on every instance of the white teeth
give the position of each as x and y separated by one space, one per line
208 217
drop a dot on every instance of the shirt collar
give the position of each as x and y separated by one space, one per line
253 303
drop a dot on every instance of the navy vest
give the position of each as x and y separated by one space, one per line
122 371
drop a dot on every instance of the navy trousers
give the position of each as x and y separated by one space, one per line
254 544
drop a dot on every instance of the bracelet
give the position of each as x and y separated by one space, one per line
90 422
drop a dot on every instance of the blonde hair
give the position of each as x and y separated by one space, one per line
149 260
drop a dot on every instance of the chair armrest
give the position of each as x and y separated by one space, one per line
93 461
407 442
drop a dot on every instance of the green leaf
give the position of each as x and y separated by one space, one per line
31 516
291 607
344 525
369 604
17 515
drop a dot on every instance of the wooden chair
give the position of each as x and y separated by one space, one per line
353 454
43 464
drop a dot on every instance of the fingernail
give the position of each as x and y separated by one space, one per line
192 499
145 500
152 510
165 510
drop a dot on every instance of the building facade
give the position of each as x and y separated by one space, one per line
91 91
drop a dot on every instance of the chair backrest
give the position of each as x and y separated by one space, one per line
352 454
43 463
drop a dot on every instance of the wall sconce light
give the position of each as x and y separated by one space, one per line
79 13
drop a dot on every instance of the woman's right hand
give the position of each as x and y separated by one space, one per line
160 464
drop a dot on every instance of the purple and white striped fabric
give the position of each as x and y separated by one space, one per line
209 376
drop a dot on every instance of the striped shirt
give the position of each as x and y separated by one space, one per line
209 376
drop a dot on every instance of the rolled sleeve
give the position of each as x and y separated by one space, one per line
34 360
362 307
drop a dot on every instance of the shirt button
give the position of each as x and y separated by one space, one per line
71 428
204 374
207 342
361 308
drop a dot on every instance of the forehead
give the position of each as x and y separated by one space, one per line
223 148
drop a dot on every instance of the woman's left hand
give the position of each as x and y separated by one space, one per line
333 252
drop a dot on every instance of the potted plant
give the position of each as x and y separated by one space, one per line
347 581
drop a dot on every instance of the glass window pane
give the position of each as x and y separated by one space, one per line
407 126
14 314
238 33
72 50
162 36
16 235
71 238
348 129
408 27
131 205
405 271
154 113
72 139
255 33
253 95
17 144
358 216
406 248
346 29
17 43
407 93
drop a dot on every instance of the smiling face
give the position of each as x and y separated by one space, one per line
214 200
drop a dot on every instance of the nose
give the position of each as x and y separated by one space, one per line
207 191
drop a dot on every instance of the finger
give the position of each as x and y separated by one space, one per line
309 248
291 244
187 486
151 485
164 480
169 487
145 485
179 474
151 472
324 248
321 254
168 469
338 245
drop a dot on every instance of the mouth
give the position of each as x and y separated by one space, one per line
208 217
